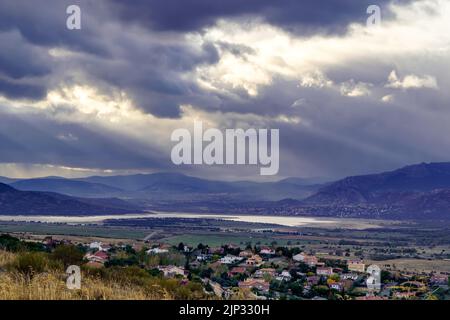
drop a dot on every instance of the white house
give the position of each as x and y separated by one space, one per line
229 259
95 246
323 271
306 259
267 251
157 251
171 271
203 257
284 276
356 265
337 286
299 257
349 276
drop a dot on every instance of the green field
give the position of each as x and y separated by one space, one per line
218 239
73 230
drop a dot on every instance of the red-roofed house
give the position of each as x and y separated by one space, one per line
324 271
267 250
237 270
99 256
259 284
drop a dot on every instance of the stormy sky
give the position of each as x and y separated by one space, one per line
347 98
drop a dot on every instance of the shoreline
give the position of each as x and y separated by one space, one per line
286 221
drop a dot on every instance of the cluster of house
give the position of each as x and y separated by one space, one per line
256 270
338 279
258 277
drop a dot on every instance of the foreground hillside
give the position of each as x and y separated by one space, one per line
30 271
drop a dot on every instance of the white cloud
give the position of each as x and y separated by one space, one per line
315 79
387 98
21 170
116 112
417 30
411 81
355 89
68 137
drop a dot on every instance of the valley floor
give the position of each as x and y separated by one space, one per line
406 250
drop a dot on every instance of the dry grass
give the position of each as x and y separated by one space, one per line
51 286
6 258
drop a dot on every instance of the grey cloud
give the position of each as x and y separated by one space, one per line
34 138
43 23
20 91
18 60
145 54
306 16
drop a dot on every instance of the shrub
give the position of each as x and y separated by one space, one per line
30 263
68 255
13 244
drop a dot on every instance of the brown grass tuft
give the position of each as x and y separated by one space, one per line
52 286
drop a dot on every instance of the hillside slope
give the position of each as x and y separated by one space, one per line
16 202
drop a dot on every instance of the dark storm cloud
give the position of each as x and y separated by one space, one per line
149 71
34 138
43 22
18 60
331 16
20 90
28 30
140 47
22 67
152 74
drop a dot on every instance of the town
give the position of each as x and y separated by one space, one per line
247 271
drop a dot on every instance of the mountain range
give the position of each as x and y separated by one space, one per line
169 187
16 202
376 188
414 192
419 191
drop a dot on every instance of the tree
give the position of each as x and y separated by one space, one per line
335 277
386 276
68 255
321 290
296 288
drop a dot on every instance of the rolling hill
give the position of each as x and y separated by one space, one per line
375 188
180 187
16 202
419 191
414 192
67 187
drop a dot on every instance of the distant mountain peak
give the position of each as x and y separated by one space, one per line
412 191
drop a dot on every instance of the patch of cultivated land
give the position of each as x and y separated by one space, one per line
73 230
408 246
414 265
215 240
